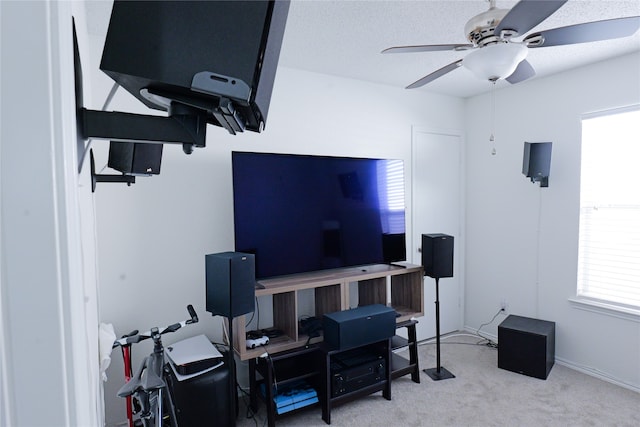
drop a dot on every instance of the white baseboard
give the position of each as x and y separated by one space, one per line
596 374
576 367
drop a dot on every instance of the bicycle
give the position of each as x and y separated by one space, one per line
148 385
132 405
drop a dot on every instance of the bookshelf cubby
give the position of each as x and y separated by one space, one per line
397 285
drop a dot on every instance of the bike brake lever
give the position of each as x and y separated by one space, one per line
130 334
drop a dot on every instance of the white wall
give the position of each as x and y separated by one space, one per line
522 240
48 308
153 236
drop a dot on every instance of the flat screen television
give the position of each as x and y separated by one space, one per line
302 213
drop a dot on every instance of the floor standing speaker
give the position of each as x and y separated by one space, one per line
526 346
231 283
437 255
437 260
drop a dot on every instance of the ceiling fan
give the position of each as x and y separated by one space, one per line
495 55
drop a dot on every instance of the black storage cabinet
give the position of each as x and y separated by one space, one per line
203 400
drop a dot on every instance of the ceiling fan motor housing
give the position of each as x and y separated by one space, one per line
479 29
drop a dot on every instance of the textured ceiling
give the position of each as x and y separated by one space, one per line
345 38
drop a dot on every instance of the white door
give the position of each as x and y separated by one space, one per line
437 208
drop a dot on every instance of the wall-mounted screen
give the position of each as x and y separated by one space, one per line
301 213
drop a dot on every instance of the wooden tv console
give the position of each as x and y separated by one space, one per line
397 285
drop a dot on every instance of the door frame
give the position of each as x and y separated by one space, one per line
460 239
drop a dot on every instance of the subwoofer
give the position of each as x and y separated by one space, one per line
230 283
437 255
527 346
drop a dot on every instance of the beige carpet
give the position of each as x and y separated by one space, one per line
480 395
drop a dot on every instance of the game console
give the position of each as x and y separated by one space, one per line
193 356
293 396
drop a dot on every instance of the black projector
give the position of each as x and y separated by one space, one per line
218 57
359 326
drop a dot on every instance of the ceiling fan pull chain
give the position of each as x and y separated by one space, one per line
493 117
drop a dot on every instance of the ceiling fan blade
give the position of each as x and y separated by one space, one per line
527 14
439 73
583 33
427 48
523 72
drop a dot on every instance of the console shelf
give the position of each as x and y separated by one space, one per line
398 286
400 365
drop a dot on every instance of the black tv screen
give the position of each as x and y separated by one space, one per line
301 213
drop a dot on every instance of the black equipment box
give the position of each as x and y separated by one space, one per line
203 400
356 369
526 346
359 326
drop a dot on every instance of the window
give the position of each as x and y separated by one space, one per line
609 239
391 195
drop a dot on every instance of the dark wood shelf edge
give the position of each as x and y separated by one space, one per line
364 391
398 342
400 366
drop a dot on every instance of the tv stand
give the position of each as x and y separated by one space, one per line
294 356
397 286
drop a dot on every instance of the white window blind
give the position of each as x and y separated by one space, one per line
391 195
609 239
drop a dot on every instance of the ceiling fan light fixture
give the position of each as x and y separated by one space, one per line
496 61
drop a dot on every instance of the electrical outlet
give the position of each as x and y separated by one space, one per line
503 305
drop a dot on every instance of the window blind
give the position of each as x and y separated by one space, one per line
391 196
609 235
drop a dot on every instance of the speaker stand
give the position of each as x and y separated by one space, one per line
233 396
438 373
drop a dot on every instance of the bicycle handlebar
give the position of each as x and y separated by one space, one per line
135 337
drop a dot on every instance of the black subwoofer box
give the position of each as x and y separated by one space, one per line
359 326
203 400
526 346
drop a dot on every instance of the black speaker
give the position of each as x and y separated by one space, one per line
526 346
220 56
231 283
437 255
359 326
536 162
135 158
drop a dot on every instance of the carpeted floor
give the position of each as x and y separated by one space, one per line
480 395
